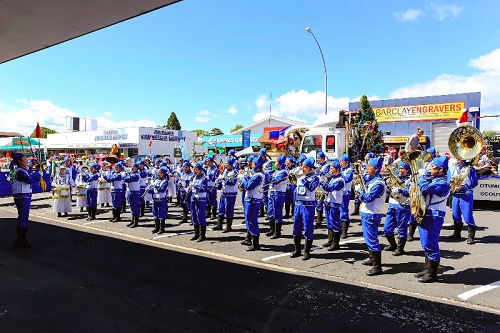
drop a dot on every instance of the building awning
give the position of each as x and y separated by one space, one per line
266 139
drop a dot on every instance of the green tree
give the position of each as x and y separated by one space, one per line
367 136
216 131
45 131
489 133
236 127
201 132
173 123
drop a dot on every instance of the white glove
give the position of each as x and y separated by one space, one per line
357 188
421 172
395 190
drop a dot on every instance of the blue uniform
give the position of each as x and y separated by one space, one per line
143 174
372 210
116 180
185 178
159 193
398 212
198 199
268 176
305 201
435 191
278 185
462 202
348 176
228 194
133 181
22 183
321 169
91 180
212 174
333 201
290 193
253 200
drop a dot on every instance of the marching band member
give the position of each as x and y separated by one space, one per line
61 185
398 212
185 197
335 192
171 179
305 202
228 183
198 189
462 201
278 185
268 171
21 191
236 163
372 209
178 172
151 175
133 181
143 172
104 193
348 176
253 200
435 188
322 168
357 202
82 188
212 174
91 179
160 207
116 181
247 172
290 188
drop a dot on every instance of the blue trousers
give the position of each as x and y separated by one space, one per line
243 193
185 202
116 198
23 204
91 199
265 198
429 231
319 205
212 197
134 200
290 194
252 207
344 208
275 206
160 208
226 205
397 217
199 211
370 231
332 214
303 220
462 205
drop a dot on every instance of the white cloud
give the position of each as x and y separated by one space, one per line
232 110
444 11
409 15
486 81
204 116
23 117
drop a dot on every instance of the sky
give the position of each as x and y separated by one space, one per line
215 63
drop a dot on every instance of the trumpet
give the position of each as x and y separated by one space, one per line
294 175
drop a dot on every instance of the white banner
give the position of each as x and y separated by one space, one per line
488 189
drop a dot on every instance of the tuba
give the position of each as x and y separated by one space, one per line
393 181
465 143
416 160
358 175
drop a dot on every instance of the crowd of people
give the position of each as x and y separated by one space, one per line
308 190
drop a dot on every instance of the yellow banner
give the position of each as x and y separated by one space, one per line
439 111
401 139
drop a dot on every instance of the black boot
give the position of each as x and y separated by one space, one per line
356 209
142 210
59 215
178 201
293 210
255 244
411 232
124 207
184 216
214 213
81 209
196 233
345 228
21 242
471 233
203 230
272 227
297 252
287 211
330 239
132 221
336 242
457 230
220 220
431 274
147 204
368 261
162 227
170 200
307 249
94 212
89 214
102 205
136 221
261 211
319 221
401 248
108 205
248 240
277 231
392 243
424 271
118 217
377 264
113 212
157 226
207 210
229 224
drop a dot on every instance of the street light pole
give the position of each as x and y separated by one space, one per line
309 30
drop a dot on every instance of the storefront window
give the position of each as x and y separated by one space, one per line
330 144
311 142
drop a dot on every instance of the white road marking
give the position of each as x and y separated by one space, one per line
175 234
355 240
468 294
447 224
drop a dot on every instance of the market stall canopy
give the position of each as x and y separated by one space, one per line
28 26
19 144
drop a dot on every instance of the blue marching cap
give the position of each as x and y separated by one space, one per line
186 164
231 152
119 164
321 154
230 160
335 163
403 165
290 158
17 156
95 166
370 155
259 162
376 162
210 158
309 162
281 159
141 161
302 158
199 165
263 151
164 170
344 158
440 162
250 158
432 151
158 160
163 164
136 164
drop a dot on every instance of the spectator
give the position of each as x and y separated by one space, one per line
484 167
414 141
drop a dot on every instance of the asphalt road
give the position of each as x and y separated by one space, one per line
105 277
